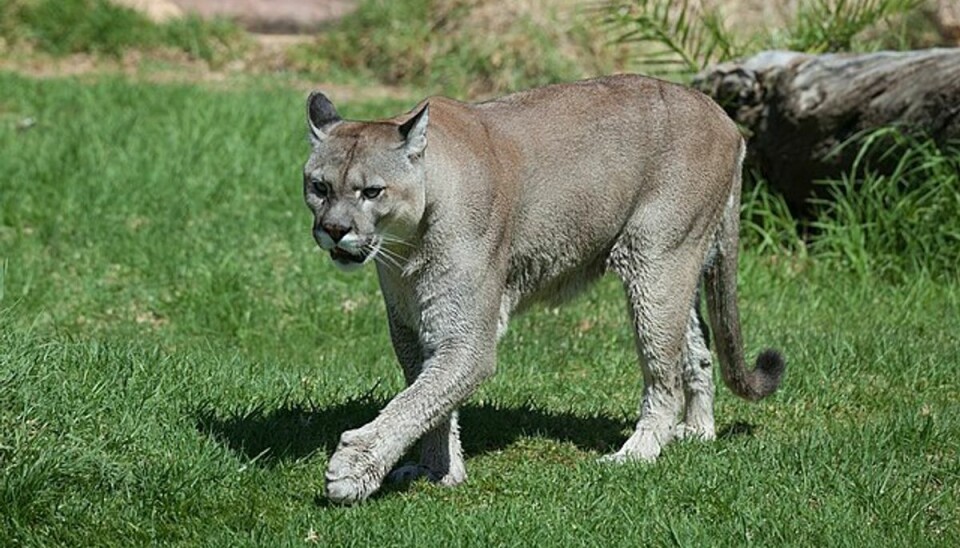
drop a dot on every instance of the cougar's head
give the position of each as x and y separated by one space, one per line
364 183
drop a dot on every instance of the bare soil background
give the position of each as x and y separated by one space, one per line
261 16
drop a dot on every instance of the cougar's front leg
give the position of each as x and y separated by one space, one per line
441 456
459 353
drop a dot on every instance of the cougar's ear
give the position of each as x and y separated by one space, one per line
321 117
414 132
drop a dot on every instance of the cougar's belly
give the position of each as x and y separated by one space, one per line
551 277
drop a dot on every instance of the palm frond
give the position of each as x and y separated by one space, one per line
671 37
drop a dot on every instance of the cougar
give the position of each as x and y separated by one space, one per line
472 212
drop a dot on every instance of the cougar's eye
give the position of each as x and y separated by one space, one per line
319 187
372 192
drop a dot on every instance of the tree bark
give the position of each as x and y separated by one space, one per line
797 108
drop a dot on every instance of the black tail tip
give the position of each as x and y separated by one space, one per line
771 362
768 372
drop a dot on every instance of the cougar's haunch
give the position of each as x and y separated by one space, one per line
471 212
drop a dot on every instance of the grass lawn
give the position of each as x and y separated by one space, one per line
177 361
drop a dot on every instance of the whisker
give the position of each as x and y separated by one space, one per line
382 256
394 240
391 264
395 259
387 250
387 261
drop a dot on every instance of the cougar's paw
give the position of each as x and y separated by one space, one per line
644 446
622 457
695 432
413 472
354 472
452 478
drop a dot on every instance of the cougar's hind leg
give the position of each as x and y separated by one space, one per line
697 381
660 283
441 456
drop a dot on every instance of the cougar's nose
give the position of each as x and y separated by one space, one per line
336 232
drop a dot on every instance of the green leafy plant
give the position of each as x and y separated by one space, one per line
380 39
670 37
822 26
682 38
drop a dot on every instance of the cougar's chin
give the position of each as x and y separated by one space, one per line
354 258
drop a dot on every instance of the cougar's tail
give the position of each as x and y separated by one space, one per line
720 280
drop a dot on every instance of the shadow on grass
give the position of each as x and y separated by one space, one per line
296 431
736 430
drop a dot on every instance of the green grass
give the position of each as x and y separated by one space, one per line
61 27
177 362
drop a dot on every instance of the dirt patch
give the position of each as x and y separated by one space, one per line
172 67
272 16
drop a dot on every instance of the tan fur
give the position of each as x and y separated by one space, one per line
475 211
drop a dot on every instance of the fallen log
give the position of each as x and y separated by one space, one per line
797 108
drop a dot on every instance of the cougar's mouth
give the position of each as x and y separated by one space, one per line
351 257
343 256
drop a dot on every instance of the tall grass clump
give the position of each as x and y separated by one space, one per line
767 225
894 215
62 27
89 26
898 222
459 47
